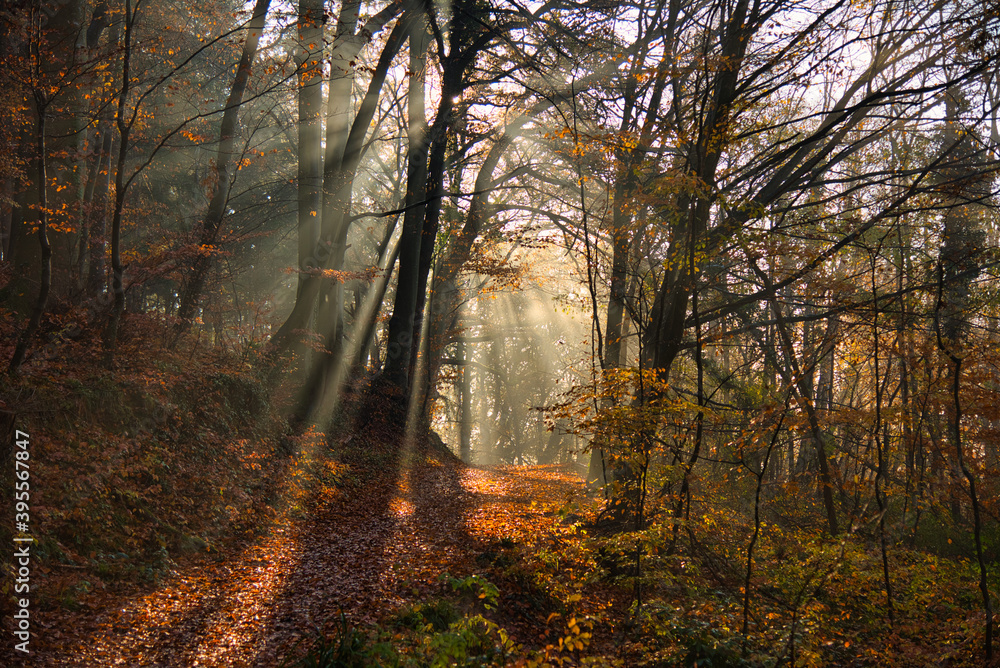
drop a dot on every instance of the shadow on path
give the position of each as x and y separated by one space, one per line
382 540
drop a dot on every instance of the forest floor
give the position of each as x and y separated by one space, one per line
361 547
205 534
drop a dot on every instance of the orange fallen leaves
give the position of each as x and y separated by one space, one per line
363 552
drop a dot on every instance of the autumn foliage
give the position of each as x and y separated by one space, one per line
482 333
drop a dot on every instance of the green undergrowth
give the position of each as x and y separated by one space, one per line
462 627
449 630
467 641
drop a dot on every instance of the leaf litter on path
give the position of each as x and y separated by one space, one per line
363 553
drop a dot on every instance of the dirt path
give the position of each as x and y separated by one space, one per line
362 554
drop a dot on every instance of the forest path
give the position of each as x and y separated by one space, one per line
364 552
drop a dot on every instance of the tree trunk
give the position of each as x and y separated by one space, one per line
117 269
310 136
45 280
400 342
223 174
344 149
465 414
97 215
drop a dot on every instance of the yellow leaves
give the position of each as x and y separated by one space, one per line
576 639
64 227
193 136
562 133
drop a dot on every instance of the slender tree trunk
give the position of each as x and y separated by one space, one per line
465 388
612 357
310 138
756 522
94 159
97 243
310 129
45 279
432 213
977 524
117 269
223 174
684 497
879 448
795 378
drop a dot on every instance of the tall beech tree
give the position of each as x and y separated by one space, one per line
468 33
320 290
345 141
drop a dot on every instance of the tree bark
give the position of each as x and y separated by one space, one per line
344 150
223 175
117 269
310 134
45 279
400 341
796 379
